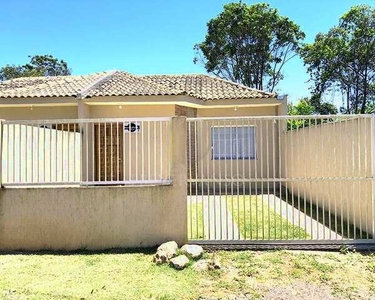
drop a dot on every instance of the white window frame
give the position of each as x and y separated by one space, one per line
232 155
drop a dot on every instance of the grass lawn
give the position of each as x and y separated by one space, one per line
254 221
131 275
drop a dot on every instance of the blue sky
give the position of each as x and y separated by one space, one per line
141 37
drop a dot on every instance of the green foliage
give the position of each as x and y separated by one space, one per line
344 59
39 65
305 107
249 45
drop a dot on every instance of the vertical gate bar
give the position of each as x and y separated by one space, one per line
111 157
225 130
291 131
262 174
280 174
268 178
274 174
161 149
250 175
203 177
335 167
105 150
26 145
365 174
14 153
196 177
287 133
93 166
244 176
99 151
143 152
347 176
256 182
189 177
215 177
231 172
74 152
8 154
208 147
341 174
373 172
316 181
123 151
237 180
2 171
86 135
311 207
298 183
149 151
155 157
353 176
358 176
56 140
19 155
68 151
117 152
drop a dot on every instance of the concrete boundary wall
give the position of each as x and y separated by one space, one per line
99 217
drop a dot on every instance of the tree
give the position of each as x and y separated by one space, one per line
344 59
312 106
39 65
249 45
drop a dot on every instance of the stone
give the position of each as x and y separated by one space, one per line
202 265
193 251
179 262
160 257
165 252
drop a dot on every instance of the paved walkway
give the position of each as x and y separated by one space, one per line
315 229
219 224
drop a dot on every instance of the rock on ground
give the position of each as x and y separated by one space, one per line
165 252
202 265
193 251
179 262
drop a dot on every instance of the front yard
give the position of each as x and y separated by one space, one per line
132 275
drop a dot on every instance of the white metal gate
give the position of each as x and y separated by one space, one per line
281 179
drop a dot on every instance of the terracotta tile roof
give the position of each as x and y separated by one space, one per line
120 83
58 86
206 87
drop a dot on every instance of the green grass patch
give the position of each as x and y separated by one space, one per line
132 275
195 221
256 220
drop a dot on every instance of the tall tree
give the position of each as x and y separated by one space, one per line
249 45
344 59
39 65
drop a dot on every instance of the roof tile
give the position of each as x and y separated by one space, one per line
120 83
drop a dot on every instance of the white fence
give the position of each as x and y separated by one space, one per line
301 178
85 152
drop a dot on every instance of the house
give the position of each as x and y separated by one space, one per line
205 157
119 94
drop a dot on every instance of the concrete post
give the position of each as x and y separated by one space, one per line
179 171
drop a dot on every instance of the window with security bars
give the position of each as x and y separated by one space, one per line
237 142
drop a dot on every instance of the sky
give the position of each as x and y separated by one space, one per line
142 37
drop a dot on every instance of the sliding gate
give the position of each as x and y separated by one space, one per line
281 180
